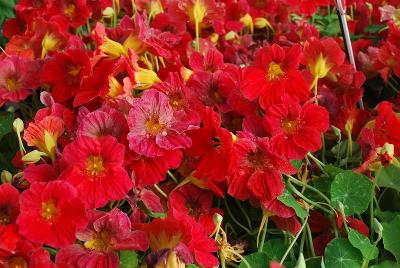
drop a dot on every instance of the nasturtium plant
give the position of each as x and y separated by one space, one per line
199 133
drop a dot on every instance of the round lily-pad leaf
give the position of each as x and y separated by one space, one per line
341 254
353 190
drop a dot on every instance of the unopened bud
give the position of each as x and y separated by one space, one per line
6 176
18 125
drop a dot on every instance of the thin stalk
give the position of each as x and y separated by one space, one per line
293 242
306 199
300 183
310 240
160 191
244 214
265 227
172 176
234 219
316 160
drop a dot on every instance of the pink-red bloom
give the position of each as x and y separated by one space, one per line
103 237
18 77
180 233
154 127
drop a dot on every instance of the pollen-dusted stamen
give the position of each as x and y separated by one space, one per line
290 126
69 10
49 210
74 69
17 262
100 242
153 125
256 159
274 71
4 218
12 83
95 165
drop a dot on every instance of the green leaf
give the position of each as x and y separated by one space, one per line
391 235
339 253
6 121
386 215
274 249
332 170
287 198
389 177
386 264
361 242
128 259
296 163
374 28
352 190
256 260
192 266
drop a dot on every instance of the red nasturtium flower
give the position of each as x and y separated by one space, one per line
197 203
9 237
64 72
320 56
95 167
154 127
212 146
103 237
151 170
9 206
181 234
27 254
51 213
274 73
295 129
258 172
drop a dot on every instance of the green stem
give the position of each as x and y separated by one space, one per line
172 176
306 199
234 219
160 191
197 45
244 214
261 245
293 242
316 160
300 183
310 240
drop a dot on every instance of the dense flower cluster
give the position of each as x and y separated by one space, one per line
148 122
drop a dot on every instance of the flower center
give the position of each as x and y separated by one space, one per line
256 159
289 126
49 210
12 83
153 125
95 165
99 242
4 218
69 10
176 101
17 262
274 71
74 69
